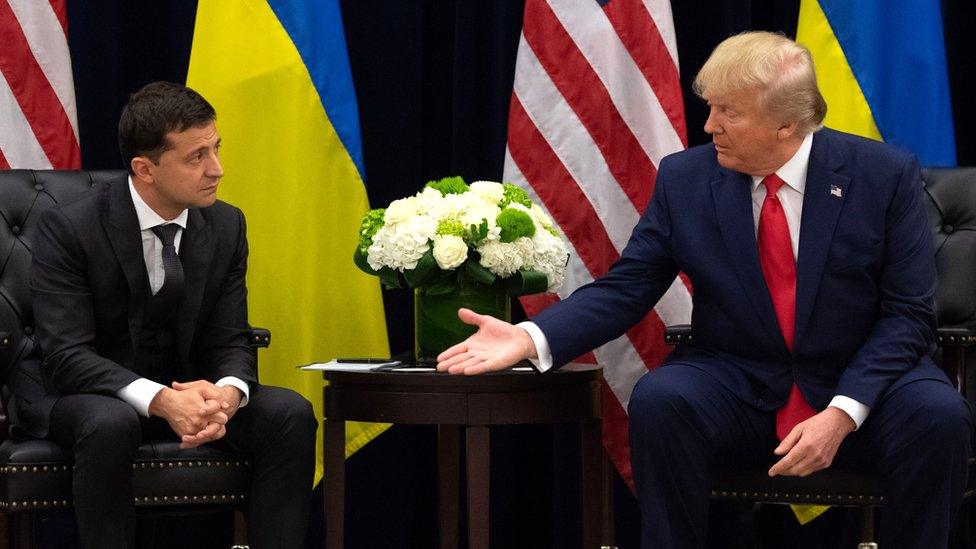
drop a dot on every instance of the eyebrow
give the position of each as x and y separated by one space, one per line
203 148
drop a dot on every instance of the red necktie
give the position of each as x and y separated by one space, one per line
779 268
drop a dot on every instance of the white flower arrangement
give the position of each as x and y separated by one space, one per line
489 232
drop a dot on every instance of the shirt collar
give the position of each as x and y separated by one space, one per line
794 172
149 218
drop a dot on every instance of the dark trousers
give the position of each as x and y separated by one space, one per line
277 427
683 423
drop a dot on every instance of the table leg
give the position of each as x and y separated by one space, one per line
478 448
592 491
334 463
448 480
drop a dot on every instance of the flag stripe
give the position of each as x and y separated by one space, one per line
39 22
4 165
587 95
61 12
34 94
639 33
574 148
623 79
17 139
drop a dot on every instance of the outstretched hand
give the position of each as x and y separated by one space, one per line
495 346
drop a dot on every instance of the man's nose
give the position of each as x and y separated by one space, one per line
711 127
214 169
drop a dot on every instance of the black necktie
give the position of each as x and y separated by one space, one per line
172 290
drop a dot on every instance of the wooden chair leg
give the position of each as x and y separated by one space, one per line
23 535
240 528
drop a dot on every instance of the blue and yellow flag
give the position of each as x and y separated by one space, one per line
277 72
881 66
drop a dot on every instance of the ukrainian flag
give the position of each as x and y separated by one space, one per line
881 66
277 73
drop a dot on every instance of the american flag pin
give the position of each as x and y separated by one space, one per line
835 191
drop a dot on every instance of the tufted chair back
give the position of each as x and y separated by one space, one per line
34 474
24 195
951 208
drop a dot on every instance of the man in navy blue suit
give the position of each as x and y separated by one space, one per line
813 320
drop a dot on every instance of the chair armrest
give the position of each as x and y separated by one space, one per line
4 341
260 338
677 334
956 336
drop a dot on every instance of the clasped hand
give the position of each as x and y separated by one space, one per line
197 411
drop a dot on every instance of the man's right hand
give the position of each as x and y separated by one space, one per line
196 412
495 346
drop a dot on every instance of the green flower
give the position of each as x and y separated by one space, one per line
514 193
451 227
449 185
372 222
515 224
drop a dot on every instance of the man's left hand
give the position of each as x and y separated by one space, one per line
225 406
812 444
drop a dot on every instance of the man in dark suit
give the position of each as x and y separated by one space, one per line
813 318
141 313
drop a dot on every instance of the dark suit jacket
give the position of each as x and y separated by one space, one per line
865 277
90 290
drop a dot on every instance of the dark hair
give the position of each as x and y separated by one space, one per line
154 111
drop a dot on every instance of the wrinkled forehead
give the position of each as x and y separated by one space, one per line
195 136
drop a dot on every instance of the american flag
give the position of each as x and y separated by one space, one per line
38 122
596 105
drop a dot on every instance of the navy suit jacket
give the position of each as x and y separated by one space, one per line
90 291
865 318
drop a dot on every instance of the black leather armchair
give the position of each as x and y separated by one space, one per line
34 474
950 195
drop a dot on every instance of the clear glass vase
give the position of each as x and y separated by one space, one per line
436 322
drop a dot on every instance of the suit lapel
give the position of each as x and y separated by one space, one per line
821 209
122 227
732 193
196 251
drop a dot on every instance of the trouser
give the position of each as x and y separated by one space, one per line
277 427
684 423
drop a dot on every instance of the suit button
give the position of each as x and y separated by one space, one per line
760 402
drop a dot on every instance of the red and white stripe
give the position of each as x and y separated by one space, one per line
38 121
596 105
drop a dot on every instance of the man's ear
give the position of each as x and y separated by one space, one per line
142 168
787 130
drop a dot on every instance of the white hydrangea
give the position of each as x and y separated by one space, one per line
549 257
489 191
401 246
402 210
450 251
504 258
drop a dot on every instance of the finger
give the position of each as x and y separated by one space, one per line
210 407
785 465
452 355
180 386
462 366
470 317
789 442
219 417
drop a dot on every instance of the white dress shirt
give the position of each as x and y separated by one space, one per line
794 174
140 392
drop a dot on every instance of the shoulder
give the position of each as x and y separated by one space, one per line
861 153
225 218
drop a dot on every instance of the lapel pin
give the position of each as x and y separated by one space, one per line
836 191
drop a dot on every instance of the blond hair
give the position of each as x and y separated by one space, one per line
777 68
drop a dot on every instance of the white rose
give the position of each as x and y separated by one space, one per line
489 191
402 210
450 251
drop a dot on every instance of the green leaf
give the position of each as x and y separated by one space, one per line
390 278
441 286
424 272
359 258
478 273
526 282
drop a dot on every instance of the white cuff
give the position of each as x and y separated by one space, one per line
858 412
140 393
543 362
235 382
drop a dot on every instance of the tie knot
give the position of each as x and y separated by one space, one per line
772 183
166 233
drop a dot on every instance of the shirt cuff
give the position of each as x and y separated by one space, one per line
858 412
543 362
236 382
140 393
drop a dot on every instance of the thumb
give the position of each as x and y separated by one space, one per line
787 443
179 386
470 317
